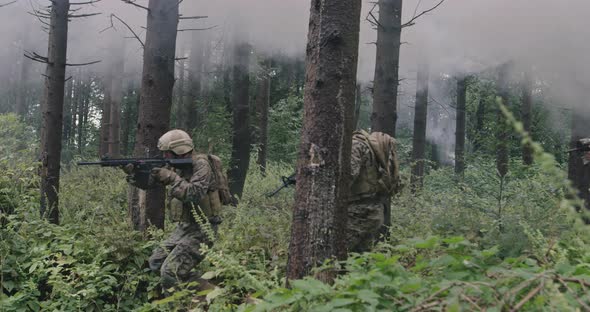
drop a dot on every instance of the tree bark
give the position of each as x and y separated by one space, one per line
118 71
577 172
480 115
386 79
156 98
67 119
194 81
105 121
318 231
357 106
460 127
527 112
181 109
419 140
262 105
502 134
240 156
52 110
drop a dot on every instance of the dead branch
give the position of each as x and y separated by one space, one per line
585 306
132 2
84 3
9 3
412 21
33 56
82 64
82 15
192 17
126 25
196 29
529 296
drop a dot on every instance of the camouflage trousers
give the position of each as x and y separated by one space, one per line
365 219
179 254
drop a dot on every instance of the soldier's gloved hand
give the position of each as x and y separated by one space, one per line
164 176
128 169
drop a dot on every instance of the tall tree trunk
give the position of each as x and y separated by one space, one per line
67 120
180 111
577 172
105 120
240 156
194 82
318 231
385 82
357 106
52 110
460 127
480 115
502 134
131 104
21 97
118 71
156 98
74 110
419 140
527 112
262 105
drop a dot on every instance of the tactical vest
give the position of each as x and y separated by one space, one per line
210 204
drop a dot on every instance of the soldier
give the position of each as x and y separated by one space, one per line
375 178
189 190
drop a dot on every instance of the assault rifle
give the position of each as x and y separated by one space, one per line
287 181
582 145
142 167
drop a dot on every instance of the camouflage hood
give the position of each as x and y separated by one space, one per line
383 147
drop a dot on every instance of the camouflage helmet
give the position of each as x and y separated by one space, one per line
177 141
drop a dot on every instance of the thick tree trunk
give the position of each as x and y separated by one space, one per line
156 98
52 110
318 231
118 71
419 140
262 105
460 127
240 156
194 84
385 82
527 112
503 132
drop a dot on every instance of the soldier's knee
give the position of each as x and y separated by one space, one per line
157 259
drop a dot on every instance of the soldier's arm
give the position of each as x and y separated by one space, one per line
196 188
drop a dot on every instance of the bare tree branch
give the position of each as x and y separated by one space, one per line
82 64
82 15
132 2
412 21
196 29
84 3
33 56
9 3
126 25
192 17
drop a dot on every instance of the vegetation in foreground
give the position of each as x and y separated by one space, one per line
478 244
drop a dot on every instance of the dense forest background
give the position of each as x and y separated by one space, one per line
485 98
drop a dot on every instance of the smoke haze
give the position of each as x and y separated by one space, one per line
461 36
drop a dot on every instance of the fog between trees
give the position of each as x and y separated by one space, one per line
459 37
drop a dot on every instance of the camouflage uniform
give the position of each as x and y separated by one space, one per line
179 254
375 173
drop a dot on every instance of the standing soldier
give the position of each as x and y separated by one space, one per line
189 189
375 178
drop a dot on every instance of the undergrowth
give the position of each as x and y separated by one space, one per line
479 243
